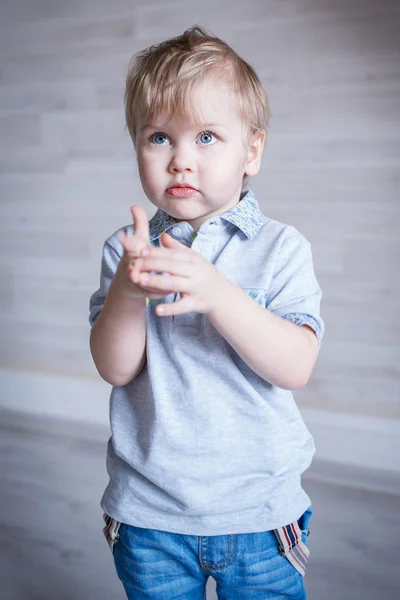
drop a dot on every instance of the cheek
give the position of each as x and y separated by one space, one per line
147 166
148 178
231 162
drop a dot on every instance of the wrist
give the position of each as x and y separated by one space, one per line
222 292
123 289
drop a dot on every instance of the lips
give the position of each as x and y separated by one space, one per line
181 189
182 184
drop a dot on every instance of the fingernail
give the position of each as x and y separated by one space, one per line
145 252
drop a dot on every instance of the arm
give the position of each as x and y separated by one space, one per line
278 351
118 308
118 337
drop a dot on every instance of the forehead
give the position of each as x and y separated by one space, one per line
209 102
214 97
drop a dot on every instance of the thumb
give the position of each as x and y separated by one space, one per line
170 242
140 223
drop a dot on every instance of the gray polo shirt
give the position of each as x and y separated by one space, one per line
200 443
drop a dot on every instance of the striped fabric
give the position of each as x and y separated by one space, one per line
111 531
289 541
292 546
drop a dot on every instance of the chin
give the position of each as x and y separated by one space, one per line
182 211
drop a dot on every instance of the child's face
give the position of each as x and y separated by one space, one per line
211 157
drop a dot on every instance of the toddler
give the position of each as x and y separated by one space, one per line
206 318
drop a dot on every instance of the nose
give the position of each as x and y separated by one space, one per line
181 160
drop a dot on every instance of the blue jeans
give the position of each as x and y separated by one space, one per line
160 565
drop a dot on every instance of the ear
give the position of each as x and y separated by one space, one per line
254 153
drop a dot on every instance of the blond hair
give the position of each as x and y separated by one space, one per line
160 78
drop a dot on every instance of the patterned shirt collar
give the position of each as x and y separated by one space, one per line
246 215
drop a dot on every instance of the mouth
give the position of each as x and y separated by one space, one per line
181 189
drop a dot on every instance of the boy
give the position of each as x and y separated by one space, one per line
206 318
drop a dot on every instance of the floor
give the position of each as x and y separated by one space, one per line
52 545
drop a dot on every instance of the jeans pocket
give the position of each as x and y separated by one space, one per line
111 531
292 541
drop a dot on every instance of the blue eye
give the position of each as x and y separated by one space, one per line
160 139
207 139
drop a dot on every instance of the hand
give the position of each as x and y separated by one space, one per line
196 279
128 272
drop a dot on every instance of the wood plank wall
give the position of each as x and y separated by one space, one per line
331 168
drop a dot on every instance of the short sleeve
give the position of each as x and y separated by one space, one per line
294 292
112 253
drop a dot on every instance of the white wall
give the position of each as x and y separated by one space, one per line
331 168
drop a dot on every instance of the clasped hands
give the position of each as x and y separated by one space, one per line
198 281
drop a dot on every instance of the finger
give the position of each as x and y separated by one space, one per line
132 246
171 284
135 268
162 252
180 307
133 272
170 242
152 292
128 242
164 265
141 223
122 237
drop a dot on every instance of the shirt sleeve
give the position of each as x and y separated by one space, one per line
112 253
294 292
